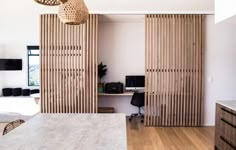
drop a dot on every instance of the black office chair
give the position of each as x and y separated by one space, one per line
138 101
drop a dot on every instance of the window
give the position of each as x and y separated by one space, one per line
33 65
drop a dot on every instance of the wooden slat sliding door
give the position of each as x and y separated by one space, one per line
173 70
68 56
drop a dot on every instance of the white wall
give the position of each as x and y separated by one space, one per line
13 78
220 71
121 48
19 27
224 9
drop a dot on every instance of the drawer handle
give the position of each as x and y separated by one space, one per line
228 123
228 111
231 145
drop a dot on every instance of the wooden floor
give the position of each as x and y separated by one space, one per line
168 138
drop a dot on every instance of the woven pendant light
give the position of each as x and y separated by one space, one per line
73 12
50 2
85 18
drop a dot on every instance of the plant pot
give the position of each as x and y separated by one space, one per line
100 87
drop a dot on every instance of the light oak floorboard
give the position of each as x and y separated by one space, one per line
165 138
169 138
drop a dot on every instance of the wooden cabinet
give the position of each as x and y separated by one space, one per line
225 131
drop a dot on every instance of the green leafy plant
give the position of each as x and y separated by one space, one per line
102 71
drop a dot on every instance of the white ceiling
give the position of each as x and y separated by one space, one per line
111 10
114 10
121 18
121 6
150 6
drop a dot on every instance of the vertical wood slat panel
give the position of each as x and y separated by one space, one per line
155 66
165 102
173 70
201 64
148 58
152 66
76 64
162 94
185 72
44 66
68 64
147 63
66 76
175 67
69 57
48 64
166 69
86 66
42 31
54 29
146 114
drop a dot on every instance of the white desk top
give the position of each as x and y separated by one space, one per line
230 104
119 94
68 132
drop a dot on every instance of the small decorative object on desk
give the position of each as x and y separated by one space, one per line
102 70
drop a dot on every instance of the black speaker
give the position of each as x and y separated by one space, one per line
26 92
114 87
17 92
7 91
34 91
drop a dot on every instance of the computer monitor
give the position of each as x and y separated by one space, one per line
134 82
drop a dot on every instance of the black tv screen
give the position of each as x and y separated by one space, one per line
10 64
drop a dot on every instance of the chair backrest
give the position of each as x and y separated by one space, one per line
12 125
138 99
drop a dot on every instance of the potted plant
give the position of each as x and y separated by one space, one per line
102 70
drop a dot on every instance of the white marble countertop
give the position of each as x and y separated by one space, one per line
230 104
68 132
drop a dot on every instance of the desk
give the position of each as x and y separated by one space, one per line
119 94
68 132
106 102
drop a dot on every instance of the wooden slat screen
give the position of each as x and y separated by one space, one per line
68 56
173 70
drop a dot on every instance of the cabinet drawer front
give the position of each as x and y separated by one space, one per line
225 115
228 116
227 130
222 143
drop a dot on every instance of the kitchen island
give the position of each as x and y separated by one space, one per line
225 130
70 132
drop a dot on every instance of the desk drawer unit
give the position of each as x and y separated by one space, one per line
225 131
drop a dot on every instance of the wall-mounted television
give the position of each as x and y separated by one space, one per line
134 82
10 64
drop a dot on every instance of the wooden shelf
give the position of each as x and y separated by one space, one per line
120 94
